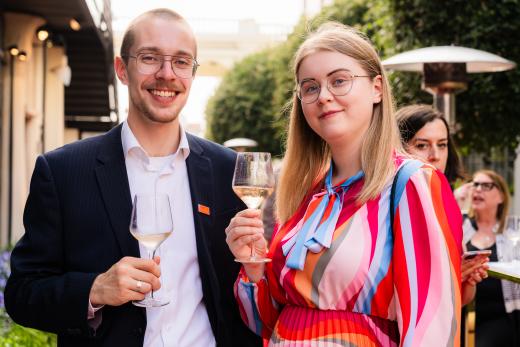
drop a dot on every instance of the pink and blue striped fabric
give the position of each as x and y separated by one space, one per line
374 285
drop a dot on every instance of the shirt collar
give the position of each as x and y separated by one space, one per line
130 143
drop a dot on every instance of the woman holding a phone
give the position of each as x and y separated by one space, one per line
497 323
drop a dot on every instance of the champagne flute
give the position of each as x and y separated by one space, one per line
253 181
151 223
512 232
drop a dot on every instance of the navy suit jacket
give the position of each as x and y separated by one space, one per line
76 227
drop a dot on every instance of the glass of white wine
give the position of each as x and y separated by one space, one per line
151 223
253 181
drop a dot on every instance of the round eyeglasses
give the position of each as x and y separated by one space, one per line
339 84
485 186
151 63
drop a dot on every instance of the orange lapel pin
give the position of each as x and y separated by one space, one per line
204 209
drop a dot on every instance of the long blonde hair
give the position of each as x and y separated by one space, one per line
308 156
503 208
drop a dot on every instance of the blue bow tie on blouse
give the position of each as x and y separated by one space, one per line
315 230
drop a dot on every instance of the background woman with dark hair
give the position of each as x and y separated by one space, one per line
425 134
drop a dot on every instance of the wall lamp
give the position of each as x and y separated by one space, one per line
42 33
13 50
74 24
22 56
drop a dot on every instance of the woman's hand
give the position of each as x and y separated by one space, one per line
463 195
244 230
473 271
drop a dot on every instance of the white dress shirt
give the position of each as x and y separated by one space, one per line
184 321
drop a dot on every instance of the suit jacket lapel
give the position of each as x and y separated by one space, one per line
113 185
200 176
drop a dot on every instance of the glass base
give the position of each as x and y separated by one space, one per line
151 302
253 260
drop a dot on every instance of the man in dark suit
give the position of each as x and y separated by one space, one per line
77 268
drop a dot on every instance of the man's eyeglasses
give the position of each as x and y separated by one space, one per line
339 84
486 186
151 63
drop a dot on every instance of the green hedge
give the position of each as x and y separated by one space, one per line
18 336
11 334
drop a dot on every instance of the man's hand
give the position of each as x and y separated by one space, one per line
128 279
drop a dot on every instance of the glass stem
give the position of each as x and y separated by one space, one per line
151 255
253 252
252 255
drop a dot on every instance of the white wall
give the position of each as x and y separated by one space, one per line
27 94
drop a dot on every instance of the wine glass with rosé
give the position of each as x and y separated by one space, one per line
253 181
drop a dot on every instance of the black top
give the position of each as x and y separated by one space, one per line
489 299
494 327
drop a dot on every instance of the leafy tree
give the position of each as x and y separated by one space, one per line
487 111
241 106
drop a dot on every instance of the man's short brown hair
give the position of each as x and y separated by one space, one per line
129 35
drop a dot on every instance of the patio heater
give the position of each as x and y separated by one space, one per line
445 70
240 144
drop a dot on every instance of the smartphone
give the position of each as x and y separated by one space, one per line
473 254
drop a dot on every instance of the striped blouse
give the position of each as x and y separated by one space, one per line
375 285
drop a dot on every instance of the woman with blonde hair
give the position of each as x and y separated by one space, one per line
497 302
490 206
347 268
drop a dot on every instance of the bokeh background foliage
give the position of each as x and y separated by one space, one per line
251 98
488 112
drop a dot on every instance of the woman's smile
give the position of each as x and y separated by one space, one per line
327 114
